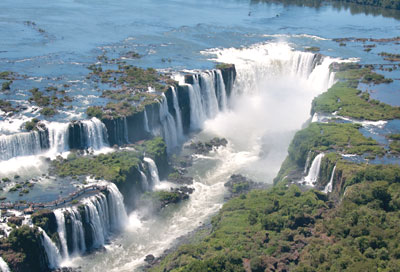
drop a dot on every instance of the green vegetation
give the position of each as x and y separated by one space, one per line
223 66
302 231
390 56
346 100
22 250
394 143
5 86
114 167
312 49
6 106
51 102
94 111
30 125
248 229
320 137
5 75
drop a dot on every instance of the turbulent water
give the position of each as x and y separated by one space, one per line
3 266
313 174
276 82
265 93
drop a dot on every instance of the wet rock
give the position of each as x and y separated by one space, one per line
150 259
205 147
16 220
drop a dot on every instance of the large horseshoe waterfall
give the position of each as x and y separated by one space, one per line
199 136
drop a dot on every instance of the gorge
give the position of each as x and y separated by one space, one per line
109 182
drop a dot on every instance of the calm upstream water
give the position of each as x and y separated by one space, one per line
53 43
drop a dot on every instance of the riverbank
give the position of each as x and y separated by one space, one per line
325 212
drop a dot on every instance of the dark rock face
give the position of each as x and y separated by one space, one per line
46 220
205 147
229 76
76 133
184 104
150 259
23 250
16 220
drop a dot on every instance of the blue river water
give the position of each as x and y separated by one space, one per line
53 42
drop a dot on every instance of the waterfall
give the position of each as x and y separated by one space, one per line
313 173
52 252
146 122
95 133
155 179
178 114
60 217
116 208
20 144
168 125
307 162
58 137
145 183
221 90
207 84
197 114
4 266
126 136
329 186
78 234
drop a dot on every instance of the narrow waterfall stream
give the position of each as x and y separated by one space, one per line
269 89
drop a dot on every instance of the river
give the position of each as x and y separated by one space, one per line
276 82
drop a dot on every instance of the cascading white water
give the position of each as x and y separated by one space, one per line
20 144
59 213
275 103
145 183
197 113
168 125
95 133
126 136
221 90
178 114
313 173
96 222
4 266
58 137
329 186
307 162
116 208
146 122
78 234
155 179
208 91
52 252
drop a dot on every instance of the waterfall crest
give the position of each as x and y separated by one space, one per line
169 127
313 173
329 186
95 133
155 179
90 225
4 266
178 114
21 144
60 217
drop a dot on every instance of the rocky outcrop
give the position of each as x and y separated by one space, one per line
205 147
23 250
